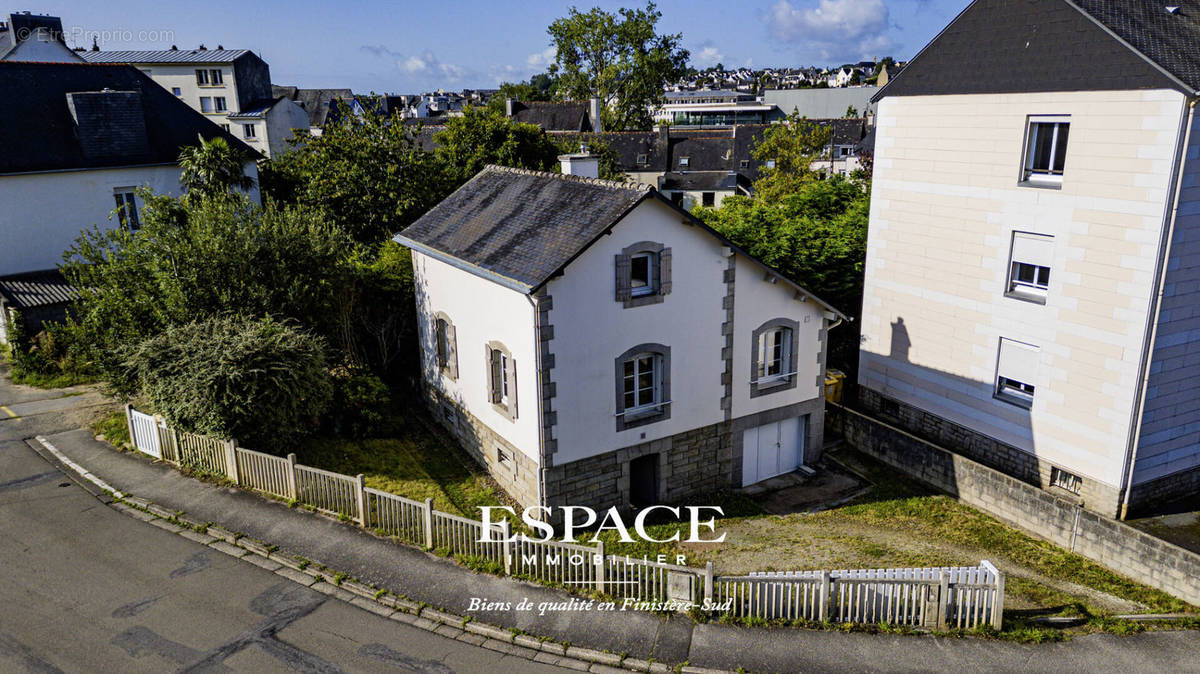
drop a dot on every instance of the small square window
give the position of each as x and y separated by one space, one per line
1046 150
642 159
685 161
177 91
745 164
1064 480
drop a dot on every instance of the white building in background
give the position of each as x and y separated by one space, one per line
34 37
1033 264
593 344
232 87
79 140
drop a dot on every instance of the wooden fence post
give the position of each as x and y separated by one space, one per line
291 477
361 496
231 469
428 523
129 424
823 606
708 582
506 547
998 603
943 600
598 560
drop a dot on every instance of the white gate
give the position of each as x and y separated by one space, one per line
144 431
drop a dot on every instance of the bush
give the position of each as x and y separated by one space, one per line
262 381
53 357
357 401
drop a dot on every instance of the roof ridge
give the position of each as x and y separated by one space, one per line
599 182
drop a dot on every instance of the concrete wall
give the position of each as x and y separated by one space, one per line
481 312
44 212
945 201
1113 544
821 103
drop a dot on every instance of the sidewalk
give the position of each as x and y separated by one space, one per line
443 584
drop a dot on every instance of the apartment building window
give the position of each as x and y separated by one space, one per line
708 199
202 77
127 210
643 379
643 274
773 357
1029 267
1064 480
1016 372
215 77
249 131
1046 150
219 103
206 104
177 91
225 128
447 346
502 380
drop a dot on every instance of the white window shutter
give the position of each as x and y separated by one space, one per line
1019 361
512 388
1035 249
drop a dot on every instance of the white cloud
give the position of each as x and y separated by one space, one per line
708 55
833 29
542 60
427 64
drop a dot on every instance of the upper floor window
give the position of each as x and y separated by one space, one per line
249 131
502 379
219 103
202 77
446 346
215 77
206 104
1029 266
1017 372
643 274
1046 149
127 210
773 357
643 379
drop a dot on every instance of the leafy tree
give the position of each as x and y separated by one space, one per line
851 112
260 380
208 257
793 145
540 87
368 173
484 136
211 168
620 59
815 236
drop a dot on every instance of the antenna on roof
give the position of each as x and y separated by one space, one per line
220 46
174 48
95 45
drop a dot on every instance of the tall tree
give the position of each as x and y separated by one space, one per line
485 136
793 146
212 167
619 58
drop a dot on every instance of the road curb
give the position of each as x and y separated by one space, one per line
321 578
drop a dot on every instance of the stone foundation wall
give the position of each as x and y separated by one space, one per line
1094 495
518 475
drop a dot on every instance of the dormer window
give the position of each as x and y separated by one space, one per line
1046 150
684 162
642 159
643 274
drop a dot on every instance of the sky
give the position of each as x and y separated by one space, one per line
412 47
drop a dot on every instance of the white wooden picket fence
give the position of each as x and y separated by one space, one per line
958 597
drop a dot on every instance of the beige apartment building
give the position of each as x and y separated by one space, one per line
1033 266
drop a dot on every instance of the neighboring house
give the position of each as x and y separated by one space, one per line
842 153
705 166
563 116
34 37
592 344
1033 261
315 102
232 87
711 108
78 141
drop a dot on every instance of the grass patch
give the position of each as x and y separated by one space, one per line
413 462
50 381
113 427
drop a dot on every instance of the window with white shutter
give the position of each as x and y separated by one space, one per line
1017 372
1030 262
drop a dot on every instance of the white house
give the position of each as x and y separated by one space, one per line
1033 264
232 87
593 344
78 141
34 37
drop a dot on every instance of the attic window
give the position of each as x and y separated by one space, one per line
685 161
745 163
641 159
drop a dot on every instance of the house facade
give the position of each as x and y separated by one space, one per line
34 37
592 344
1033 262
232 87
80 141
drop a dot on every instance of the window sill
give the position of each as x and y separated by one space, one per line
1026 297
644 300
505 412
635 418
1013 400
768 384
1040 184
211 86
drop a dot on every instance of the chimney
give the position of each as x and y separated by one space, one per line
582 163
594 113
508 106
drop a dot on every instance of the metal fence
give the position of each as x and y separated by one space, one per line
960 597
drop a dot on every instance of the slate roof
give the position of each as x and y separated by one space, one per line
37 130
520 228
629 146
165 56
36 289
1011 46
256 109
706 181
561 116
314 101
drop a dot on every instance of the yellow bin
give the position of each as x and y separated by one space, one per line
833 385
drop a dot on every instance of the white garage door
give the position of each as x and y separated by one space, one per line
772 449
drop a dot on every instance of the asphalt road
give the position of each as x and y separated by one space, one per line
84 588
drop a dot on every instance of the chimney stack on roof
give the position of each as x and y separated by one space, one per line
582 163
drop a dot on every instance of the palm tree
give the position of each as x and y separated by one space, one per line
212 168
